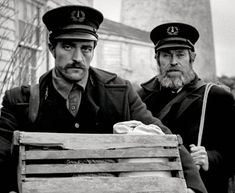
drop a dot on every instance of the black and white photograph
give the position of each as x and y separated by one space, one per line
117 96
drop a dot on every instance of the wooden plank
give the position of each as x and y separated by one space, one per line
105 167
101 153
145 184
96 141
21 167
180 174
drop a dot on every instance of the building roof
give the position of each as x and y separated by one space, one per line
109 27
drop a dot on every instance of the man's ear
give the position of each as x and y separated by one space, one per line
156 57
51 48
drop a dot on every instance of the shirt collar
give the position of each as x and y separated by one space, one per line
64 87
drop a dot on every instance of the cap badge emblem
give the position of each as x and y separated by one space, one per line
172 30
78 16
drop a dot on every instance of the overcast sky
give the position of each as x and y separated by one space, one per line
223 17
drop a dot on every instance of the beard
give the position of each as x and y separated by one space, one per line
176 82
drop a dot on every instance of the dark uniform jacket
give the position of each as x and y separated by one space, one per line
183 118
107 100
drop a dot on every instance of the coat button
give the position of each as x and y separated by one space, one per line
73 108
77 125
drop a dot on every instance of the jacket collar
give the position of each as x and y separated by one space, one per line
151 85
101 76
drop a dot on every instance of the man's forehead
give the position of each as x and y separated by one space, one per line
168 50
77 41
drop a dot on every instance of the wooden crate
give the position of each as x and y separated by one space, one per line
91 163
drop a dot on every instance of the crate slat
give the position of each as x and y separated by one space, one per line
95 141
105 185
105 167
100 153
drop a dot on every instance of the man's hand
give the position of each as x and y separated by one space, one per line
189 190
200 156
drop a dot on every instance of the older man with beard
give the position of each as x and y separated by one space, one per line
175 96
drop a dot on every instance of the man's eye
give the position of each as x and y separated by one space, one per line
180 55
67 47
86 49
166 55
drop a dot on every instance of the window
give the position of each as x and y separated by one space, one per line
30 38
29 17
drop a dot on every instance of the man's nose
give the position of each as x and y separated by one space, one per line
174 61
77 55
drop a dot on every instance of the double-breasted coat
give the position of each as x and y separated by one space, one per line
183 118
107 100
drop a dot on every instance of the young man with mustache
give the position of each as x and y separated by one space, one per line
175 96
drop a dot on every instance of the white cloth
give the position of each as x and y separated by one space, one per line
138 128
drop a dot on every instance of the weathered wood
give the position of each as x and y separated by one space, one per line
96 141
60 163
105 185
105 167
101 153
21 167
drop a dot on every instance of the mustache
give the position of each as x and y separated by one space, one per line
75 65
173 69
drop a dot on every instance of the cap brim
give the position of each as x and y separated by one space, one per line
173 45
77 35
